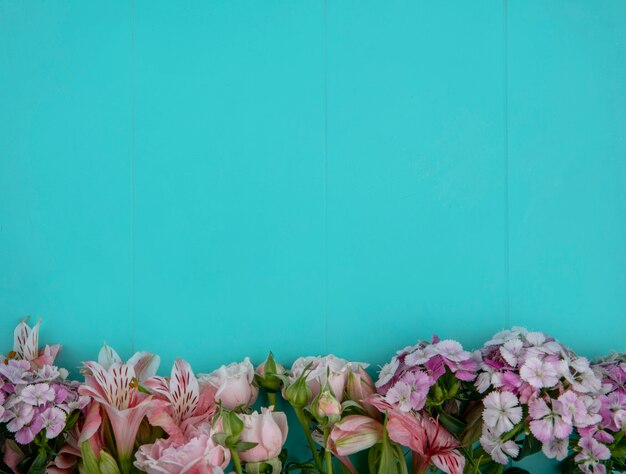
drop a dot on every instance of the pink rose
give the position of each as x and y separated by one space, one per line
199 455
269 430
234 384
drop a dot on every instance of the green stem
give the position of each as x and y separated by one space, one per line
236 461
328 457
305 426
272 398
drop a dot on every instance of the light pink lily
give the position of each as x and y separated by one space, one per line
144 363
430 442
116 389
26 345
180 402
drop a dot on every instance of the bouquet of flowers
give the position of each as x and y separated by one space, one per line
328 396
601 447
537 395
454 410
38 406
425 391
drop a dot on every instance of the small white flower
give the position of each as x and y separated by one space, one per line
556 449
538 373
499 450
535 338
502 412
417 357
511 351
400 396
387 372
452 350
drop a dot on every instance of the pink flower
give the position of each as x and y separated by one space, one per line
499 450
269 430
234 384
15 371
198 455
430 442
556 449
116 388
322 370
387 372
591 456
400 396
538 373
327 405
19 416
144 363
572 408
38 394
613 410
359 385
26 345
26 340
354 433
502 412
451 350
53 420
546 423
27 433
180 401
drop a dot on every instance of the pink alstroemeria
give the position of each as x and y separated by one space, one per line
354 433
180 402
430 442
116 389
145 364
26 345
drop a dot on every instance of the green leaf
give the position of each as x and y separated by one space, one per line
530 446
568 465
373 458
72 419
39 464
493 468
452 424
241 446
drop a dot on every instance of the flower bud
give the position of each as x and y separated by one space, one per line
326 408
355 433
267 374
298 393
360 385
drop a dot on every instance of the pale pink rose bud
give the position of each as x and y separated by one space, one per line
268 374
326 407
360 385
355 433
234 384
268 429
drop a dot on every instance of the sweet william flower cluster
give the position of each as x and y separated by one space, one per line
434 406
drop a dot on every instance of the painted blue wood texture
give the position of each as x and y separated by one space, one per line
65 182
217 179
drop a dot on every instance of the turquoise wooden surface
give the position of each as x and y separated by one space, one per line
216 179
